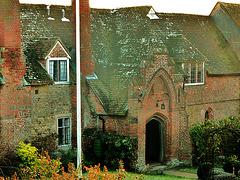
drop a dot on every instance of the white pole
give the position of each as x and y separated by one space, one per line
79 131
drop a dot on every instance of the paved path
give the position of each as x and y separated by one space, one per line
182 174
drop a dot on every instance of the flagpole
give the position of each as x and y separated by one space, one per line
79 129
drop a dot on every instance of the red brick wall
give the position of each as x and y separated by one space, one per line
221 94
58 51
87 65
15 100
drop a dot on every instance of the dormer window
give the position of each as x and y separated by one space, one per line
57 63
152 14
195 73
58 69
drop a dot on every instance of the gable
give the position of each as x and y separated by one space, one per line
58 51
37 53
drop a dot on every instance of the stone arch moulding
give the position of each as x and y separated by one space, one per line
156 139
168 81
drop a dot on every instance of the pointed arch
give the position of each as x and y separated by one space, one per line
164 75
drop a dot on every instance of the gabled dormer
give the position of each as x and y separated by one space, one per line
57 63
152 14
47 62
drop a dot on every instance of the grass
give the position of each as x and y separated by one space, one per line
189 170
157 177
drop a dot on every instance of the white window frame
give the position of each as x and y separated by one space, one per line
70 131
59 59
203 74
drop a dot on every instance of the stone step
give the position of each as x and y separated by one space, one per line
156 169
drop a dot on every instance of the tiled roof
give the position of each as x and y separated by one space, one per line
233 10
206 41
123 38
112 94
39 34
35 24
36 74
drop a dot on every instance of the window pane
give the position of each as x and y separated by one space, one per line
55 75
67 122
51 67
188 78
63 71
200 73
60 136
60 124
67 135
193 73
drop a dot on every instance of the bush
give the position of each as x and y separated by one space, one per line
204 171
118 148
211 138
34 165
52 171
96 173
108 148
228 167
27 153
45 142
67 156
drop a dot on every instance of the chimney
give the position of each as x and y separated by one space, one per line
13 66
10 36
87 64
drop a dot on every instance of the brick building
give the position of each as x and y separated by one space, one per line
144 74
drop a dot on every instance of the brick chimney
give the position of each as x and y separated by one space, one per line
87 64
15 99
13 66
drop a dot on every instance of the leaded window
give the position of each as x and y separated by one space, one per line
195 73
64 131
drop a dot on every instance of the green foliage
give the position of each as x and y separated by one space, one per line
211 138
45 142
27 153
118 148
108 148
67 156
204 171
31 161
205 148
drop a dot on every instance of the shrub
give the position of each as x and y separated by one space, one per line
27 153
34 165
52 171
118 148
45 142
204 171
96 173
108 148
44 167
228 167
67 156
211 138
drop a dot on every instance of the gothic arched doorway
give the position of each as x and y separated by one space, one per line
154 142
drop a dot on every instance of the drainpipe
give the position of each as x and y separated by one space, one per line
79 130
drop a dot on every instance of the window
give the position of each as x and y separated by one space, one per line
195 73
206 115
179 95
58 69
64 131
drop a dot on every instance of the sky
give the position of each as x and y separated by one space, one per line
202 7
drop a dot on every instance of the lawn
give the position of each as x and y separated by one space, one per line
157 177
189 170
